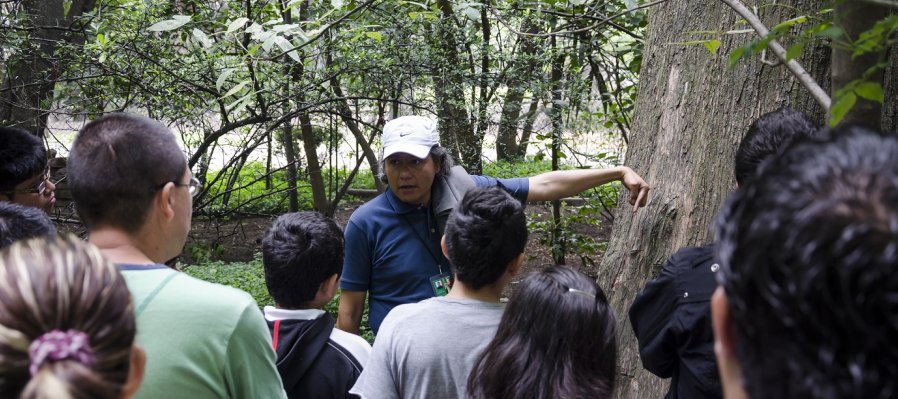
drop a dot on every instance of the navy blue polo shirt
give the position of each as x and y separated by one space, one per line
393 249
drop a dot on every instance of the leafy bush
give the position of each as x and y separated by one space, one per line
251 195
250 277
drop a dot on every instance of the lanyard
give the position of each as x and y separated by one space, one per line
422 240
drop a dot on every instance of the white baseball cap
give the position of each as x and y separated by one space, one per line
414 135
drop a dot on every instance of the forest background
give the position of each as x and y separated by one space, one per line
279 104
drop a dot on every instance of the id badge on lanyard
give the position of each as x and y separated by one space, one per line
441 283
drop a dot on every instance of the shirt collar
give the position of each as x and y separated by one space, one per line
272 313
399 206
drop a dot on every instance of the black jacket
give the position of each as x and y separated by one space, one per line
310 363
671 317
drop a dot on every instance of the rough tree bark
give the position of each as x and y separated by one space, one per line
517 80
856 17
32 75
691 113
456 132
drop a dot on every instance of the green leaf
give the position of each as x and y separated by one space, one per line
237 88
237 24
712 46
735 57
377 36
201 38
841 107
223 78
794 51
871 91
785 25
287 48
176 22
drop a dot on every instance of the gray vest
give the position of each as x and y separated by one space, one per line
447 192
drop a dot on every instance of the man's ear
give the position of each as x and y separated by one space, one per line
725 338
443 246
164 201
328 288
722 323
515 265
135 372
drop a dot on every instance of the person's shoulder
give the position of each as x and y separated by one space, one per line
355 345
689 257
373 207
208 296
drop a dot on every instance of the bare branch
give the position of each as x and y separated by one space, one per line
885 3
795 68
601 22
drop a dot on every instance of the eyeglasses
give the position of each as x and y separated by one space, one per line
41 187
193 186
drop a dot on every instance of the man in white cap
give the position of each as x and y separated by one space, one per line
393 250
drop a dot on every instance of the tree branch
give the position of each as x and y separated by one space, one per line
885 3
795 68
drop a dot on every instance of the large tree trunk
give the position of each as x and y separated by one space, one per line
517 80
691 114
856 17
456 132
31 76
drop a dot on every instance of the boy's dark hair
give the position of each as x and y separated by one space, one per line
22 156
556 340
484 233
19 222
117 164
300 251
768 136
808 253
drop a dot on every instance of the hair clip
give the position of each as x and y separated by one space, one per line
581 292
60 345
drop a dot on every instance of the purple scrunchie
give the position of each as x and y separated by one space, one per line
58 345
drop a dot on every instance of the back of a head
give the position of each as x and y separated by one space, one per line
556 340
115 167
808 253
485 232
767 136
54 293
19 222
22 155
300 251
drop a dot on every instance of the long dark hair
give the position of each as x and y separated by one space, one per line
556 340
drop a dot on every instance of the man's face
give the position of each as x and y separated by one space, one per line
410 178
183 208
36 192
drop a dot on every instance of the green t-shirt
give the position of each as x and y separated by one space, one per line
202 340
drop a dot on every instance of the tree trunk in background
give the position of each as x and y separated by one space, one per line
855 17
313 165
529 120
517 81
690 115
31 75
289 145
456 132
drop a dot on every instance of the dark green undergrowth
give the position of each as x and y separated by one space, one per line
250 277
251 193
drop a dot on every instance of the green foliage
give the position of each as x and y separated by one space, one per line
250 277
251 195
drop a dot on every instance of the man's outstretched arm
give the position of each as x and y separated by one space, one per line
349 314
559 184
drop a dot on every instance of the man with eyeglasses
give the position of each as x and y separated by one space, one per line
24 171
133 190
393 252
